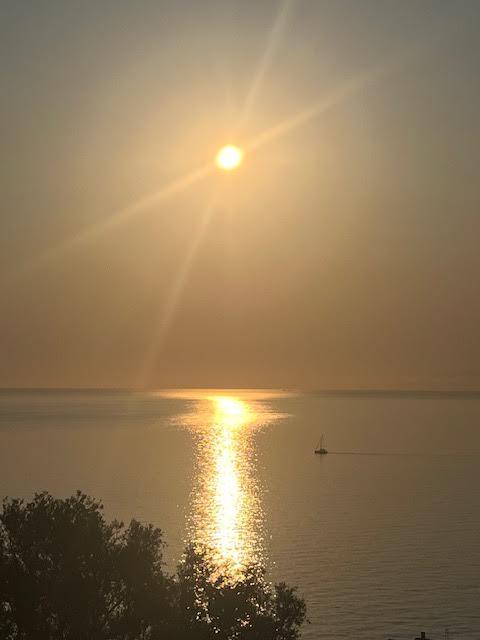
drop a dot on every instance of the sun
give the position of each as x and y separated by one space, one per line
229 157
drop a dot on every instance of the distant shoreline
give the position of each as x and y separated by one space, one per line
392 392
309 392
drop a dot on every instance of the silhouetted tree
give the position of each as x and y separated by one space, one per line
68 574
217 606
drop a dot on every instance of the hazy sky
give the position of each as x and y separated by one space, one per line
345 251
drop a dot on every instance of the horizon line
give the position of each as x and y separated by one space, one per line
298 390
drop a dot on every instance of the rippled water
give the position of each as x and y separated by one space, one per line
381 535
226 507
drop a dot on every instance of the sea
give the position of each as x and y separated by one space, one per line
381 535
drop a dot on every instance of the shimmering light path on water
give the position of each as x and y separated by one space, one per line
226 503
229 497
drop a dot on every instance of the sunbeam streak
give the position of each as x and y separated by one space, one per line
346 90
168 310
339 95
274 39
115 219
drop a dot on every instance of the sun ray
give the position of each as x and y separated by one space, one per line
95 230
167 312
274 38
313 111
343 92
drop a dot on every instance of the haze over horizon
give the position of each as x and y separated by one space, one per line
342 254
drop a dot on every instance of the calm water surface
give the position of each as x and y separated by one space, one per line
381 536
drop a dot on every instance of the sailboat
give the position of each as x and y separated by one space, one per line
320 447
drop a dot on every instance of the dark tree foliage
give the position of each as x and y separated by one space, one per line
68 574
215 606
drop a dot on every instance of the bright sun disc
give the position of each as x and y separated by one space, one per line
229 157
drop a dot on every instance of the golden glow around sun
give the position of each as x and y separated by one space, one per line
229 157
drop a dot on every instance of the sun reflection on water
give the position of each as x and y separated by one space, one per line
226 516
231 498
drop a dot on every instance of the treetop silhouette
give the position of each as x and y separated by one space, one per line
66 573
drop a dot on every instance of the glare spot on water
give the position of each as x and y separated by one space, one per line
227 516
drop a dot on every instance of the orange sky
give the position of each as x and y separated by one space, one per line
342 254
